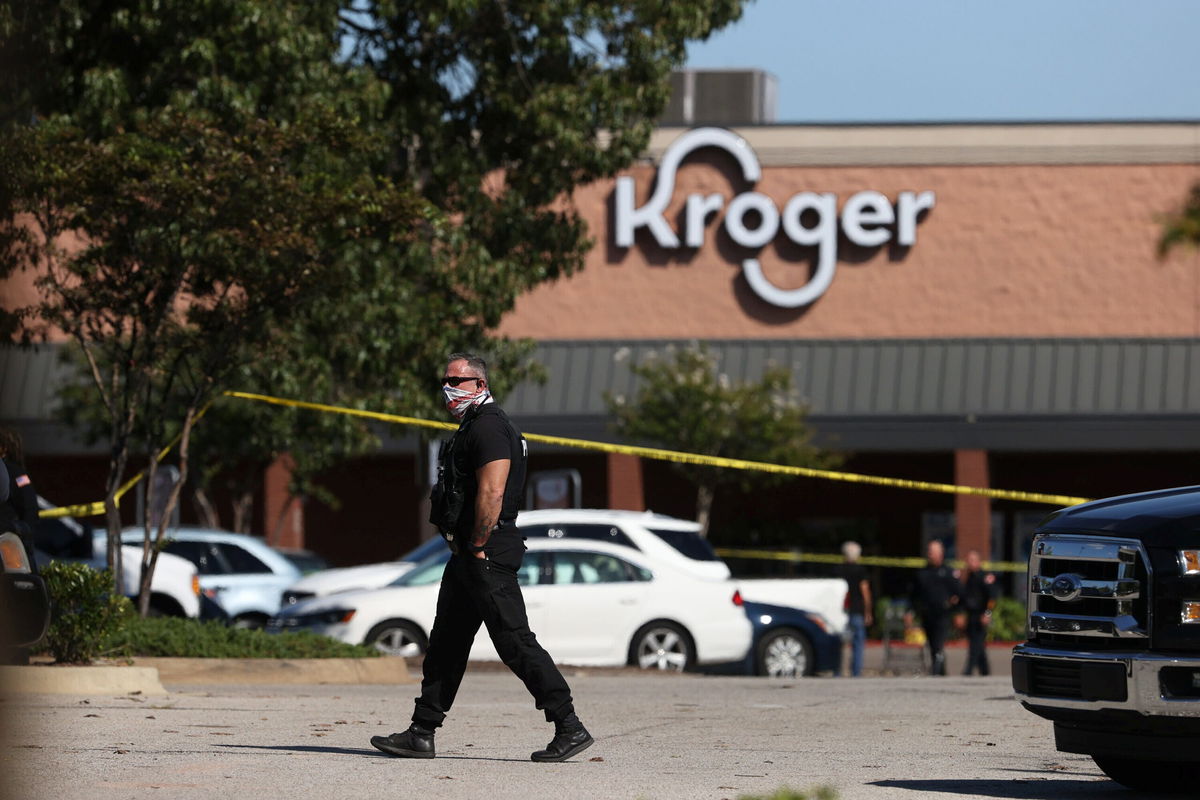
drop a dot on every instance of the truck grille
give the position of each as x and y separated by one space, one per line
1088 588
1072 679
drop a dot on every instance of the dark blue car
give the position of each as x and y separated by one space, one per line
789 642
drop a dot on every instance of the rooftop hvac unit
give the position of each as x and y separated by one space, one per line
721 97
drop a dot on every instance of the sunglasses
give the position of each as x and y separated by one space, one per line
456 381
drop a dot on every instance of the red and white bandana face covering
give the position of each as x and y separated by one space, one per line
460 401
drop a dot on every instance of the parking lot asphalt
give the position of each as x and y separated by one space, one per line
657 736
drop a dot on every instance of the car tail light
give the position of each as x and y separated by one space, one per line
737 597
13 553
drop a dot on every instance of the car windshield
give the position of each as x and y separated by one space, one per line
687 542
428 571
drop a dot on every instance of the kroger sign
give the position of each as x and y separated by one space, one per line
868 218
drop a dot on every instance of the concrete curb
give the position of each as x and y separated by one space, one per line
377 671
70 679
146 676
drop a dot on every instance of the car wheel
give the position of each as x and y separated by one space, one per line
785 653
1150 776
397 638
664 646
249 622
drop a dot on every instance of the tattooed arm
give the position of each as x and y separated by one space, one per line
491 478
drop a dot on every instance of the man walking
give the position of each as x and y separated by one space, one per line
481 480
934 592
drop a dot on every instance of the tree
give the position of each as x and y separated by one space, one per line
197 242
316 194
1183 227
684 404
190 184
499 109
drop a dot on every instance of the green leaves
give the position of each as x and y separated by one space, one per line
218 198
1182 229
175 637
84 611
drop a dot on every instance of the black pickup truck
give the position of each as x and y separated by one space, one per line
1113 655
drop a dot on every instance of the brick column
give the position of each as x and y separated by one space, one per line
288 532
625 482
973 515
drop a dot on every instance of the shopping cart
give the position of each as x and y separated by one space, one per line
904 650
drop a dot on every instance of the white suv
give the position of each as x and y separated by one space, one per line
659 536
174 587
242 573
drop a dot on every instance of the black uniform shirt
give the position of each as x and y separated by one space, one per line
932 590
978 590
488 435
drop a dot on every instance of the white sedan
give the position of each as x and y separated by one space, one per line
590 603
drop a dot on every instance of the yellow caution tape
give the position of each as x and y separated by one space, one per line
353 412
97 508
657 454
870 561
693 458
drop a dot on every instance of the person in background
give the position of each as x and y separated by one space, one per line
19 513
978 598
858 604
934 594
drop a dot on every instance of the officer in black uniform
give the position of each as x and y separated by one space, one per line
19 513
978 595
934 593
481 481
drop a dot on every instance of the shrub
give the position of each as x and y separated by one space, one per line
1008 621
84 611
188 638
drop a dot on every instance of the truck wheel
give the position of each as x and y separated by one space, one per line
1150 776
785 653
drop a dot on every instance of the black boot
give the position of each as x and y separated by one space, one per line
570 738
416 742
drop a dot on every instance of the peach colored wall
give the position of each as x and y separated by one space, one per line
1009 251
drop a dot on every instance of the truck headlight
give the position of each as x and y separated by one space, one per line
1191 611
1190 561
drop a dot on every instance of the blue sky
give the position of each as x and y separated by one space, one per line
964 60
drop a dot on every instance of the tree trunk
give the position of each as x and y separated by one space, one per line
149 552
704 501
205 509
152 545
243 506
112 517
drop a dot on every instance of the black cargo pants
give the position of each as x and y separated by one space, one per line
475 591
936 625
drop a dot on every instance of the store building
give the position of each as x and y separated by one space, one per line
972 304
